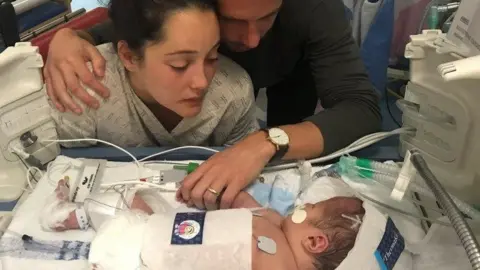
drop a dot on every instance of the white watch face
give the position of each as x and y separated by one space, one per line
278 136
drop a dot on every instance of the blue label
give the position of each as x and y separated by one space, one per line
390 248
188 228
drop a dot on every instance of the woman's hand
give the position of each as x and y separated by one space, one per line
66 65
227 173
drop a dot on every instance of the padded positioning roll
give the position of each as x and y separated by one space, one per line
379 245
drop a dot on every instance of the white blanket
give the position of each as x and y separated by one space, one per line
26 220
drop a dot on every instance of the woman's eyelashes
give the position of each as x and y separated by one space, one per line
183 67
179 68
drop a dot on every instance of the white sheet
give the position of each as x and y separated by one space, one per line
26 220
27 216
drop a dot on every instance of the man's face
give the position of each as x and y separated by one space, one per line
244 22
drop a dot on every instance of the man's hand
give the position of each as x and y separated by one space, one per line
229 171
66 67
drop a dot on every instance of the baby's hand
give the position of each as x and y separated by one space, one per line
245 200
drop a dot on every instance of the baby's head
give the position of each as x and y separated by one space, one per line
322 235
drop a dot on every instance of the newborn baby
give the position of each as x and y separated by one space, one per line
316 236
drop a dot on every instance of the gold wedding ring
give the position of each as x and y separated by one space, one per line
213 191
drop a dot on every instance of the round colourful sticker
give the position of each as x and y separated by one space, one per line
187 229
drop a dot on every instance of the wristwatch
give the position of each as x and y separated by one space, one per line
279 138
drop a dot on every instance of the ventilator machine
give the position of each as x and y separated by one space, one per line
441 104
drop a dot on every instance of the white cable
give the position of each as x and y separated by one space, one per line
140 183
51 166
176 149
100 141
137 162
355 146
139 166
29 174
165 162
22 154
145 163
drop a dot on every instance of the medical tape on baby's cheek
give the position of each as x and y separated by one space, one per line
82 218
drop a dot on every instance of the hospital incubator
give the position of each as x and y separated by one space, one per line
25 121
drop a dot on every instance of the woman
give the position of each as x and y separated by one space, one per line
164 83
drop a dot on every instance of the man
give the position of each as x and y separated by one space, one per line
301 51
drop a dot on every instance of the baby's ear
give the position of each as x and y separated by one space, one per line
316 243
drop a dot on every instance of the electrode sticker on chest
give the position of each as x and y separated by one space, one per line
267 245
188 228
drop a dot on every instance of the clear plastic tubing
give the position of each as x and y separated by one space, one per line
367 167
389 181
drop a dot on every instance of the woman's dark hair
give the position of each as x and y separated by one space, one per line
139 21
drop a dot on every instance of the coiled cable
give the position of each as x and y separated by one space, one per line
459 224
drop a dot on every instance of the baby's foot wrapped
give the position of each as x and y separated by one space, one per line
59 213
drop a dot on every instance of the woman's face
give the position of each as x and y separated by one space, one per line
176 72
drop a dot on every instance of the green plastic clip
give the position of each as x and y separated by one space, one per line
190 167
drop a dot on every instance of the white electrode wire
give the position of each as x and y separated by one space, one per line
52 167
29 175
139 183
152 162
100 141
355 146
139 166
176 149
